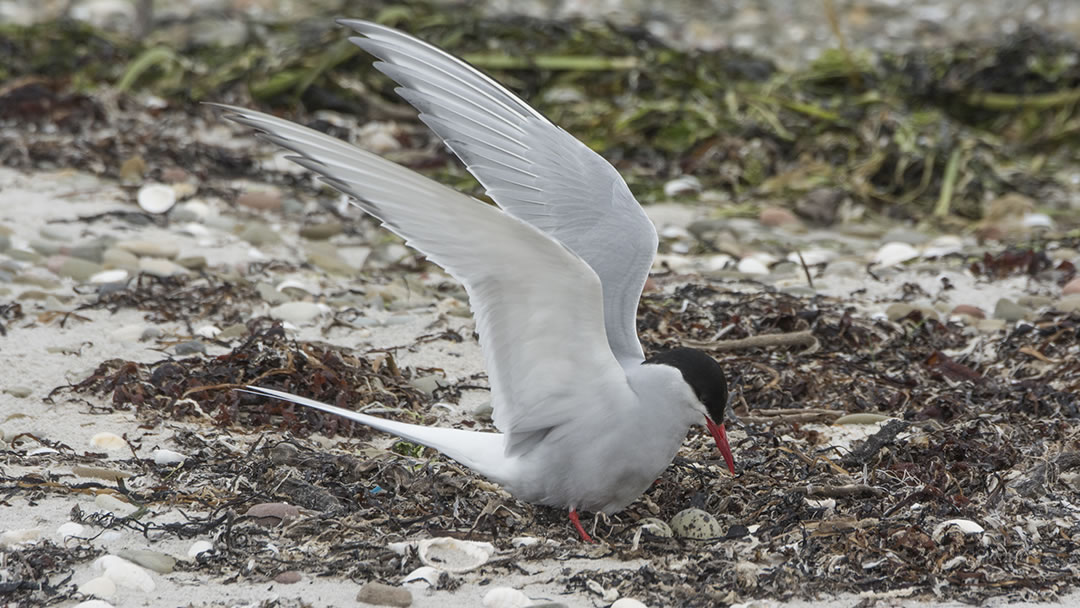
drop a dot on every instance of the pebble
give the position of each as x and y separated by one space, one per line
686 184
75 268
628 602
258 234
235 330
751 265
130 576
190 211
151 560
116 275
899 310
288 577
1072 287
199 547
380 594
192 262
19 392
94 604
11 538
156 198
265 200
891 254
777 216
505 597
1034 302
1007 310
114 505
426 384
971 311
330 261
101 586
270 514
1070 303
695 524
821 205
160 248
322 231
108 442
70 529
114 257
191 347
297 313
160 267
163 457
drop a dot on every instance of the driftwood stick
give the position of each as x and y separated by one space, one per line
798 338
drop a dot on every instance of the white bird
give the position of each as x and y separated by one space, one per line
554 277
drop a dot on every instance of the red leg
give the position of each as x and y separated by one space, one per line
577 524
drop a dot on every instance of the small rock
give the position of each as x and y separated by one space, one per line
101 586
990 325
11 538
379 594
191 347
270 514
156 198
379 137
160 267
321 232
687 184
70 529
1070 303
150 249
904 235
192 262
1010 311
75 268
258 234
777 216
116 275
266 200
288 577
1072 287
426 384
1034 302
108 441
284 453
207 331
235 330
843 268
114 505
297 313
94 604
132 170
91 252
46 247
505 597
892 254
115 257
971 311
751 265
821 205
19 392
628 602
164 457
199 547
899 310
695 524
151 560
130 576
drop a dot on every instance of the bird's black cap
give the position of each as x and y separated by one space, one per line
703 374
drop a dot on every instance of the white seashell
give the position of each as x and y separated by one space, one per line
505 597
402 548
199 547
108 442
751 265
167 457
70 529
101 586
208 331
94 604
453 555
424 573
682 185
156 198
892 254
42 451
114 505
524 541
117 275
963 525
628 602
812 257
195 230
296 284
942 246
718 261
1037 220
20 536
105 562
130 576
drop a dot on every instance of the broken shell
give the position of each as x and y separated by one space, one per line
965 526
505 597
894 253
156 198
108 442
166 457
199 547
424 573
453 555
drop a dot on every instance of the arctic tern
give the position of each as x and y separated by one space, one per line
554 274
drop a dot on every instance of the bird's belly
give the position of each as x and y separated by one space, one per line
604 475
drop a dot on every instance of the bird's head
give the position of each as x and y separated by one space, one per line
707 381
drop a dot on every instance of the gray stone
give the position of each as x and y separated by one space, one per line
844 268
46 247
904 235
114 257
1035 301
379 594
150 249
235 330
322 231
259 234
270 295
192 347
297 313
160 267
1070 303
91 252
151 560
194 262
20 392
1007 310
24 255
5 242
426 384
80 270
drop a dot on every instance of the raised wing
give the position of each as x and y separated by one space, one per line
533 169
537 305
